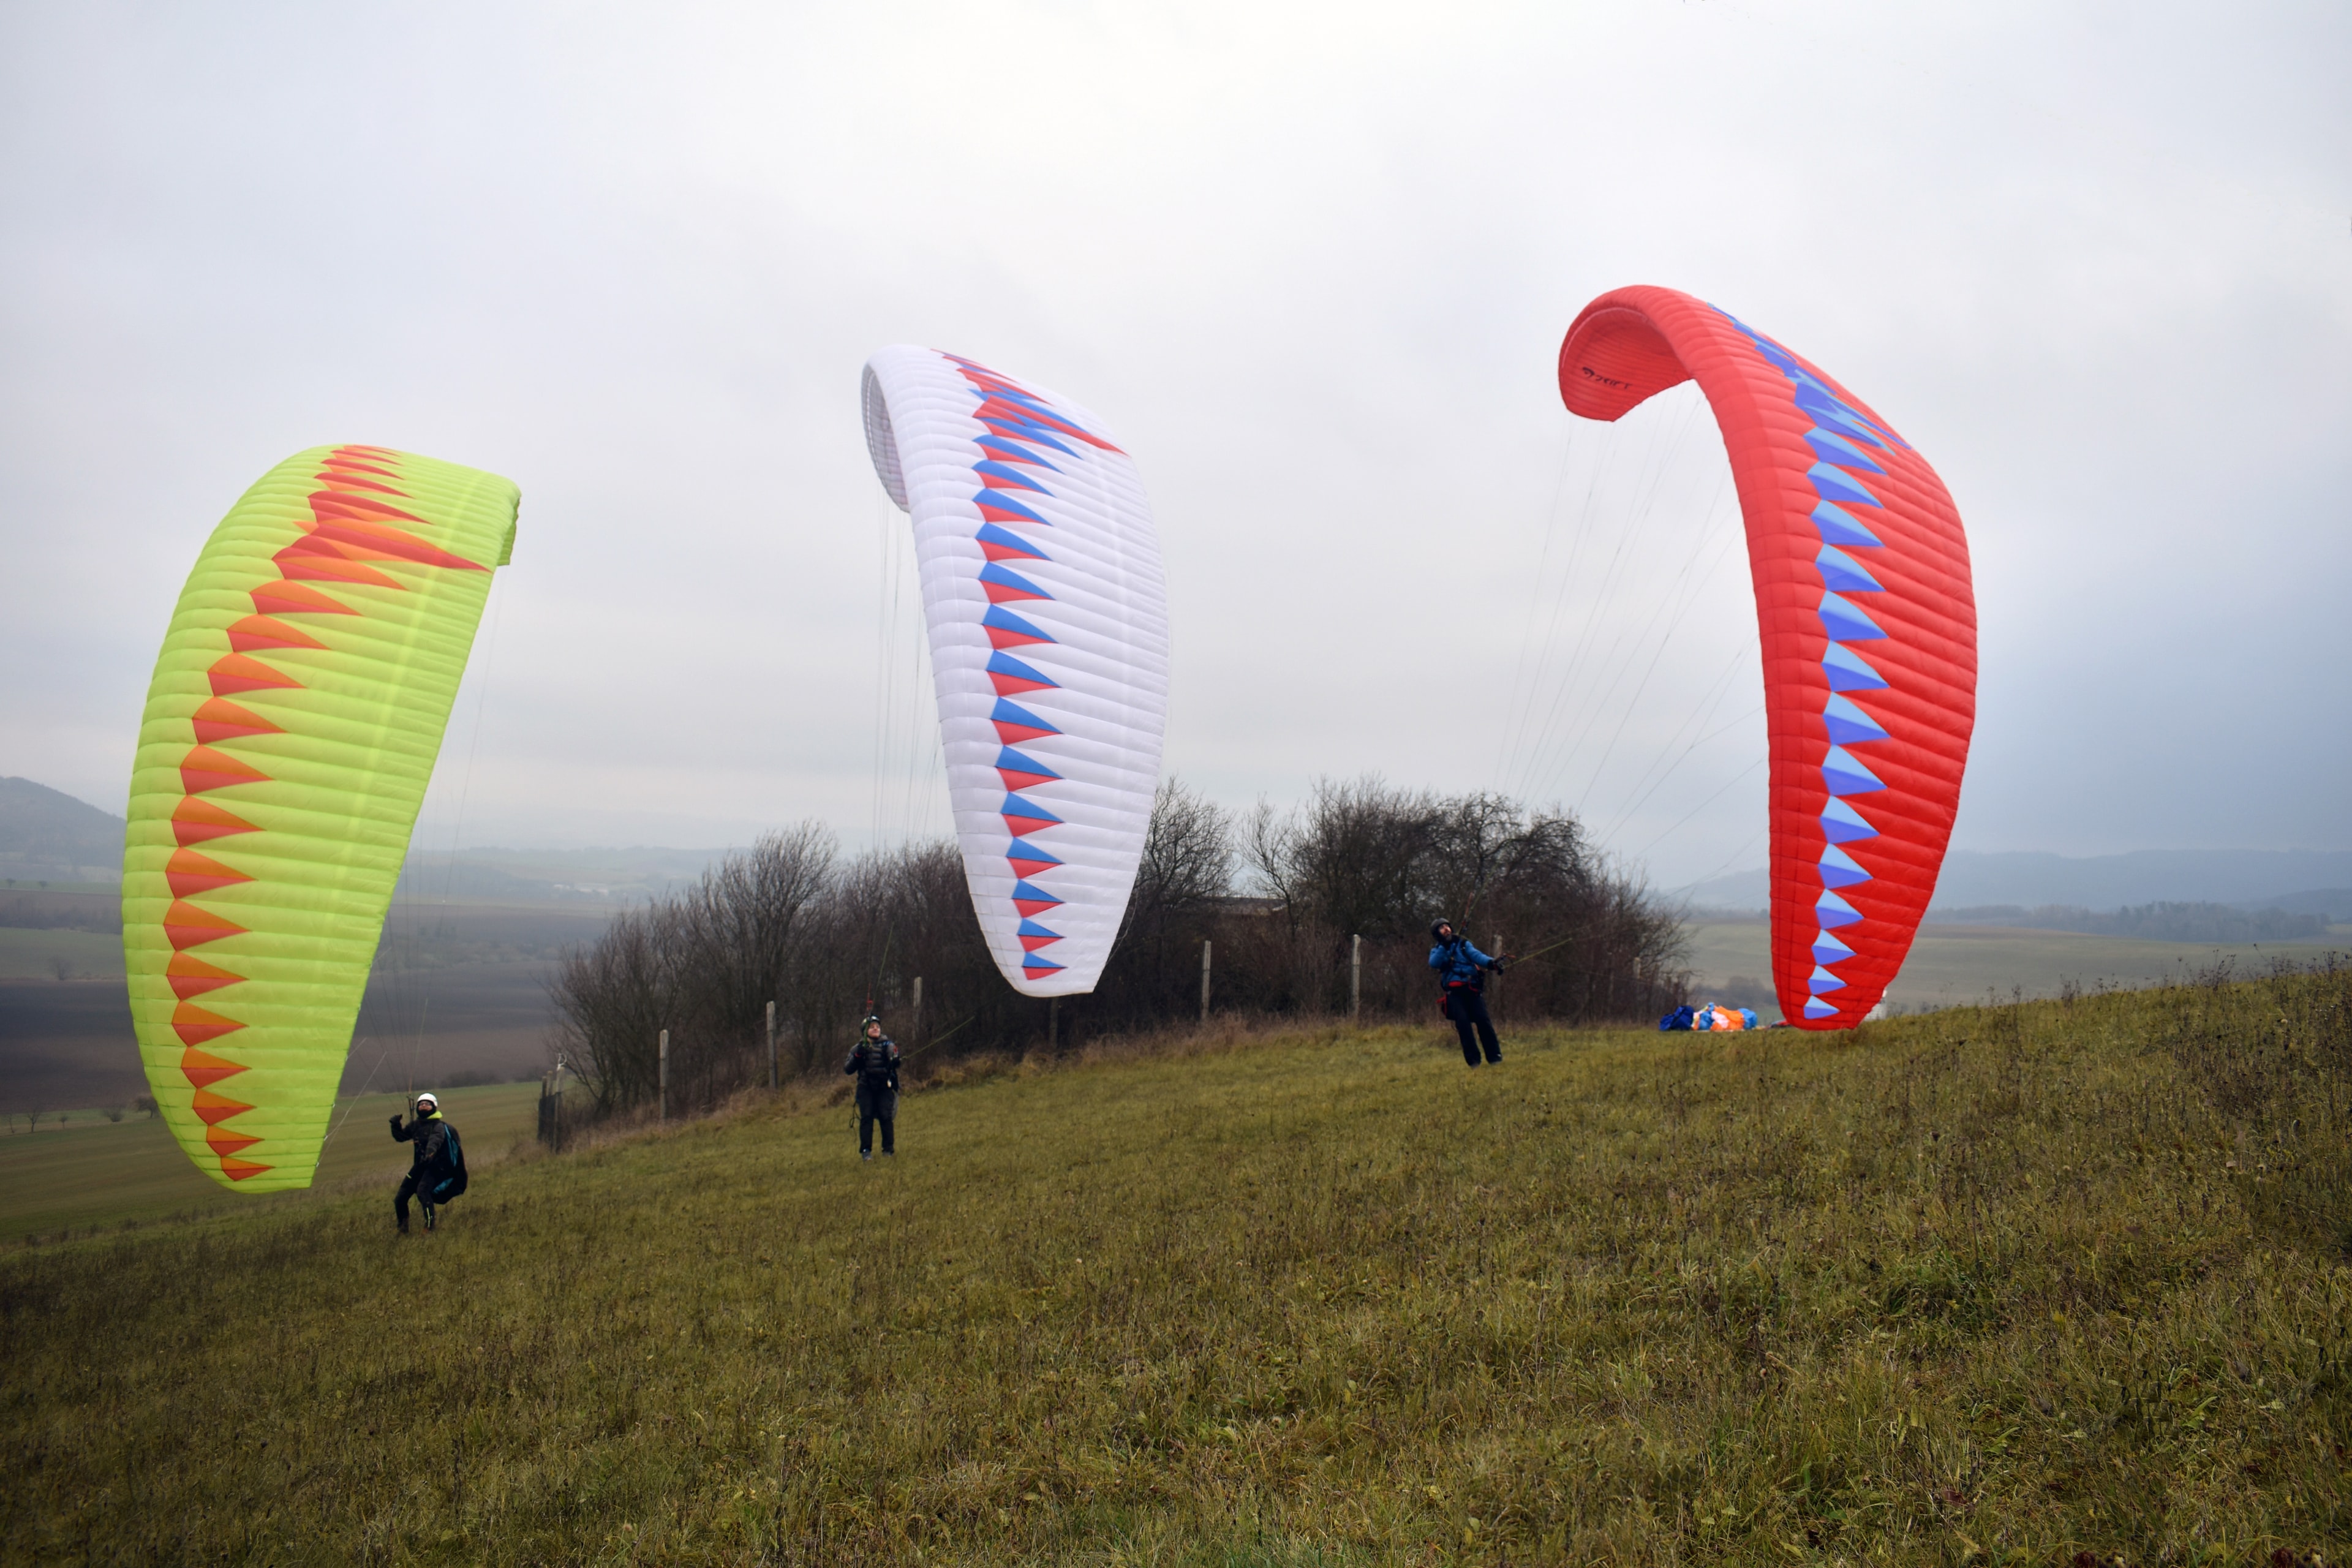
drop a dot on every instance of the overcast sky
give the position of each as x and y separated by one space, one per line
1311 265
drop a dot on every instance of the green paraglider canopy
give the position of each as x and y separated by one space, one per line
292 725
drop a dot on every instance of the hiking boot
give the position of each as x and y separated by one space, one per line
866 1153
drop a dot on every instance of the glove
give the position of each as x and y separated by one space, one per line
1498 965
395 1123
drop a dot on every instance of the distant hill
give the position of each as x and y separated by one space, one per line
2328 903
600 876
2243 876
47 836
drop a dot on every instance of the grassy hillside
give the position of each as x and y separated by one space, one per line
1997 1285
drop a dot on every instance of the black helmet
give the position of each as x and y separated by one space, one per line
871 1021
1438 928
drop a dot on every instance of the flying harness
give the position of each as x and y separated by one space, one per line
877 1063
1475 985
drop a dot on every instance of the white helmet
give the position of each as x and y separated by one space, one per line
428 1098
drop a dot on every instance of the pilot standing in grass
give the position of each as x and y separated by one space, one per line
873 1062
430 1163
1462 970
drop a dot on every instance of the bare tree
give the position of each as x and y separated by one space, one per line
1270 850
1188 853
613 999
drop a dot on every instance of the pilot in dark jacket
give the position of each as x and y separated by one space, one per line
873 1062
430 1136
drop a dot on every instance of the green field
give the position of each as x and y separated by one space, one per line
459 987
1997 1285
1953 964
35 955
93 1173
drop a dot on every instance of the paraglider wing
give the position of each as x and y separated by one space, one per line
290 729
1048 625
1868 617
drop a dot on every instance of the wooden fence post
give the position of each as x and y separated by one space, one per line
772 1045
1498 973
1355 979
665 1075
1204 981
915 1012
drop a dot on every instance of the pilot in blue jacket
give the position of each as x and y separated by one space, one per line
1462 970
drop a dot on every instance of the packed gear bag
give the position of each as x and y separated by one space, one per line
1680 1018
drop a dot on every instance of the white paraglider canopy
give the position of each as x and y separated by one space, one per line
1048 615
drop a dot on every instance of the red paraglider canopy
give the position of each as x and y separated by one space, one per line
1868 618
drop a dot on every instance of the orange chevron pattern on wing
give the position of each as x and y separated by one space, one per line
344 477
235 672
262 633
223 1142
330 503
190 873
188 926
204 1070
315 561
196 821
209 768
212 1109
363 540
196 1025
192 976
285 597
220 719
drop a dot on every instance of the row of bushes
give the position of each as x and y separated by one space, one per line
1278 895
